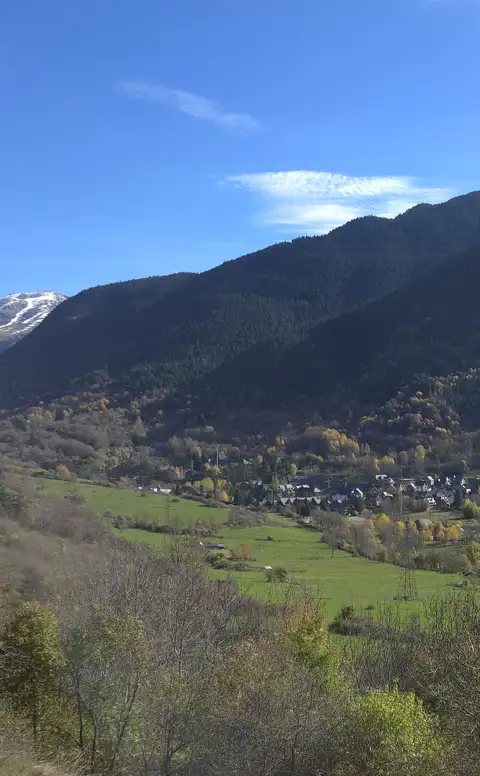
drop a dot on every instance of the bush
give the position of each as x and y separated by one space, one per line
216 559
238 566
471 511
277 574
456 563
347 612
222 563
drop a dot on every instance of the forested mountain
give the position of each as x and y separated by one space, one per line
429 327
253 322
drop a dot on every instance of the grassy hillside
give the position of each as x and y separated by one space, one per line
151 507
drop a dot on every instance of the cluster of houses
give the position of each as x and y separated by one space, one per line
303 494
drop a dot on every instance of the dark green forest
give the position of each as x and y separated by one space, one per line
346 328
162 333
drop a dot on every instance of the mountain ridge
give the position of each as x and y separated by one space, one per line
21 312
152 336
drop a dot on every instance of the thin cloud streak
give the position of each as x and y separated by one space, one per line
192 105
315 202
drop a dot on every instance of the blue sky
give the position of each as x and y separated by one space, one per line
144 137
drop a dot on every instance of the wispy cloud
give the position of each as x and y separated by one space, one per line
314 202
193 105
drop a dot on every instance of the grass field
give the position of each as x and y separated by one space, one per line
151 507
341 580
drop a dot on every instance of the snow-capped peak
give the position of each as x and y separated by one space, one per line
20 313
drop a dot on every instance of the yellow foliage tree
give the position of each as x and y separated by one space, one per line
420 453
387 460
338 443
426 534
453 533
382 525
208 484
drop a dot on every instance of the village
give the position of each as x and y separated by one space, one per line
303 494
426 494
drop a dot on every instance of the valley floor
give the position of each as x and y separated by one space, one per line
340 580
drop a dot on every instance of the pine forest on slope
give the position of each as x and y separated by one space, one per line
365 308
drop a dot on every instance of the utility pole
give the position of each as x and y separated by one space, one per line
407 586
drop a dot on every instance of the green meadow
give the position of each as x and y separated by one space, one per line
151 507
340 580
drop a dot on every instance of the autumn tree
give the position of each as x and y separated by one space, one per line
335 530
453 533
63 471
365 541
420 454
383 527
426 534
32 663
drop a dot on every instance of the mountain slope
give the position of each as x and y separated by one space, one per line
429 327
20 313
160 333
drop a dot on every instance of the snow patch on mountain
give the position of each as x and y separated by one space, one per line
20 313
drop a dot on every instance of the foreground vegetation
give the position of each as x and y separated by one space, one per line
123 661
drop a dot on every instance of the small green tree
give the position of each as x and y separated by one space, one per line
33 662
471 510
472 551
280 573
392 733
309 643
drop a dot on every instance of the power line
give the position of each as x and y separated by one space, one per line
407 586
